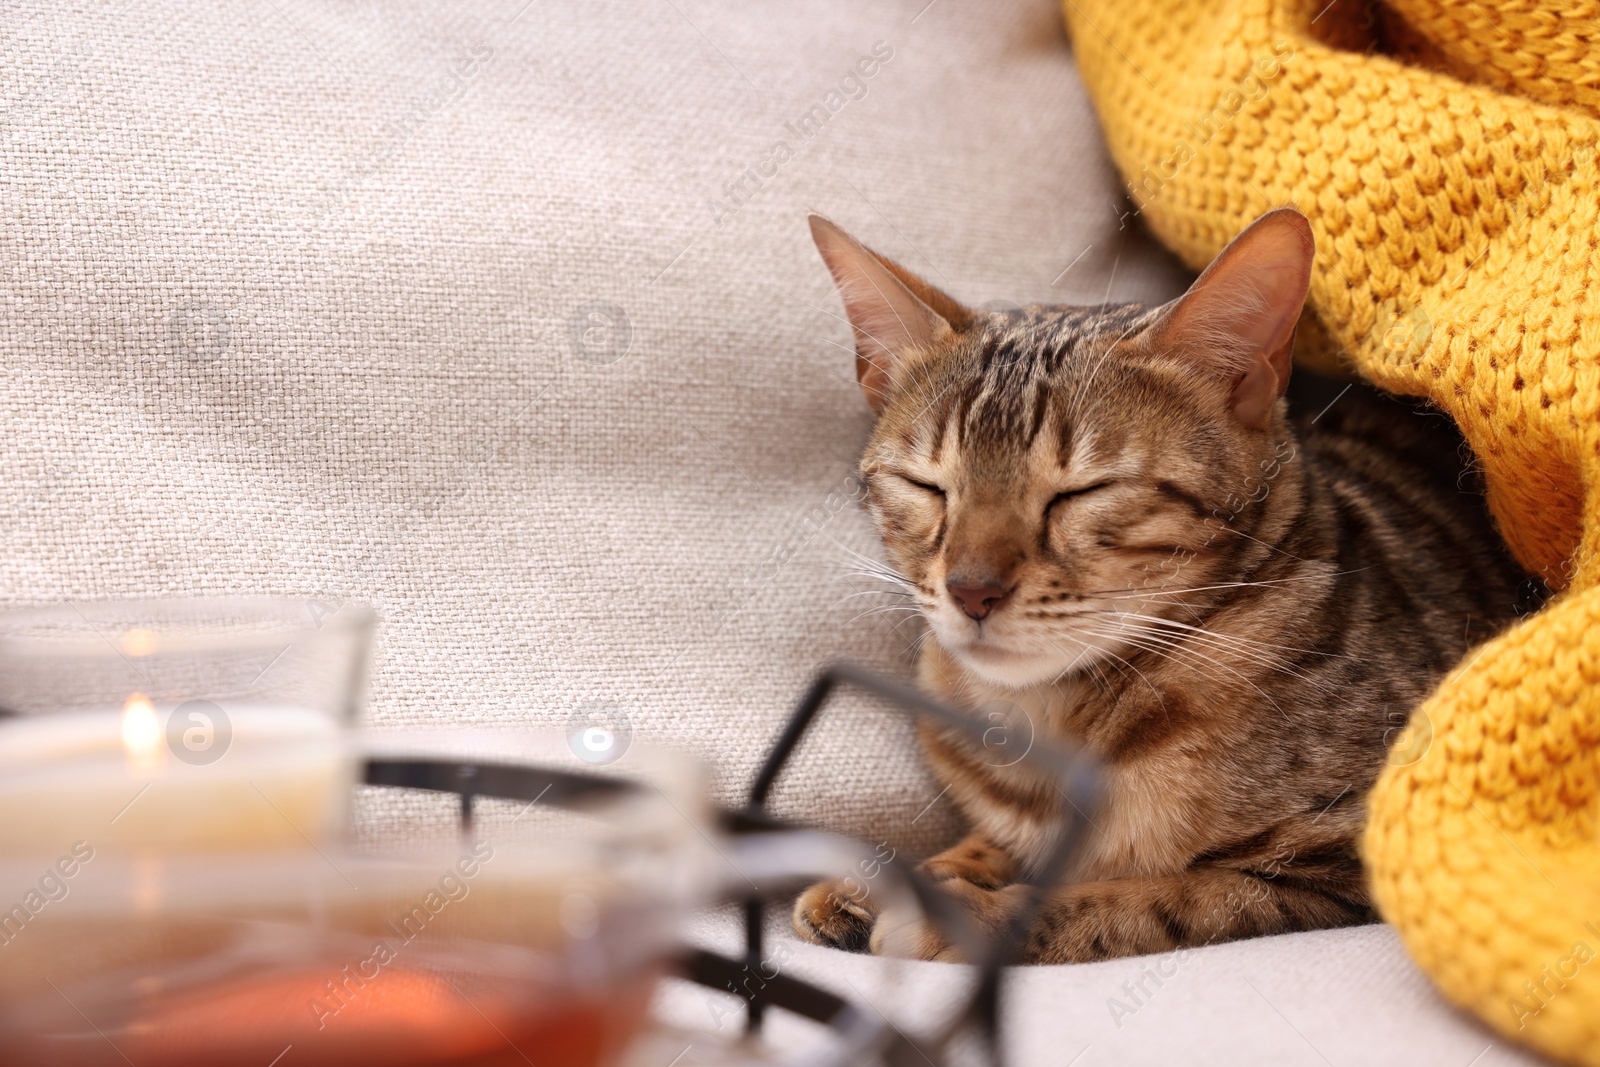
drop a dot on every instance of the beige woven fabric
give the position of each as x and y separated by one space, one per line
1346 997
322 299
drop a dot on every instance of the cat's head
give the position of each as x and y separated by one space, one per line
1043 476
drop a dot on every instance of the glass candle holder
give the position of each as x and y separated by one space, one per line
184 723
536 933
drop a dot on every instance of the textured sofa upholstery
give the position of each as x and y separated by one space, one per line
506 320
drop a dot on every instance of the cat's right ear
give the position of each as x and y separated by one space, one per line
897 316
1238 319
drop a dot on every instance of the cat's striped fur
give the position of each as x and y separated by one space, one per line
1120 536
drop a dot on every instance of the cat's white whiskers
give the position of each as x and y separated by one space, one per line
1181 642
1207 670
1138 640
1214 635
881 609
1269 547
1178 646
1132 592
894 588
1082 602
915 647
867 561
1093 670
872 568
890 586
1230 643
873 592
1108 652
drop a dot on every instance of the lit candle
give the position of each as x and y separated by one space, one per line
253 776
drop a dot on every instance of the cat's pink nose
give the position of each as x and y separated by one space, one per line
977 597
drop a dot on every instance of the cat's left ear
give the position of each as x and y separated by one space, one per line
897 316
1239 316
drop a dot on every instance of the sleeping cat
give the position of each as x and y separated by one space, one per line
1110 522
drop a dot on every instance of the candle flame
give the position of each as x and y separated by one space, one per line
141 734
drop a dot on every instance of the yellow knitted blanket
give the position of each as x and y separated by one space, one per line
1445 152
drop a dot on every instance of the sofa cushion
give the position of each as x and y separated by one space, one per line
1345 996
508 321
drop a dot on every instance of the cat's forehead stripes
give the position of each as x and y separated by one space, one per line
1027 373
1034 381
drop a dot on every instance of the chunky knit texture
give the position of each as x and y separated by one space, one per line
1454 194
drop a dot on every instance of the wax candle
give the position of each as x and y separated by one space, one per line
192 776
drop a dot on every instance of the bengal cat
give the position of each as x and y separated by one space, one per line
1111 521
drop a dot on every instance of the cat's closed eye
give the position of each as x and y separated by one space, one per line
927 487
1070 494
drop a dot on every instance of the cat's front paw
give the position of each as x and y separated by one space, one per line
908 935
828 914
974 860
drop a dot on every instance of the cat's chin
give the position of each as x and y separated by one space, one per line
1001 666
